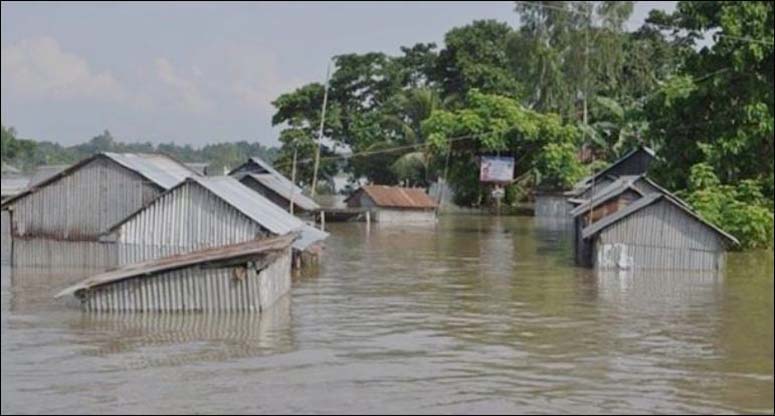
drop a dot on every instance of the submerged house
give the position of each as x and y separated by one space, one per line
635 163
262 178
245 277
44 172
393 204
651 231
205 212
82 201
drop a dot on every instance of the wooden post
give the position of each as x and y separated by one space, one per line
320 133
322 220
293 177
368 218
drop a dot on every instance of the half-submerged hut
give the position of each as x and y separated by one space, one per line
205 212
635 163
652 231
245 277
395 205
261 177
82 201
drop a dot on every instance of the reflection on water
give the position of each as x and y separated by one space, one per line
142 340
473 315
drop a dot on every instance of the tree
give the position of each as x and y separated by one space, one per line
475 56
542 145
720 110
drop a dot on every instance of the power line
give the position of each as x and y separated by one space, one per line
388 150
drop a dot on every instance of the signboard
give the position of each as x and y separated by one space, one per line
496 169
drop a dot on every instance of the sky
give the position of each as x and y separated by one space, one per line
196 73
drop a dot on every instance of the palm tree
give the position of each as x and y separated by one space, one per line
413 107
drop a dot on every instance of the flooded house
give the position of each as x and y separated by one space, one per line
395 205
12 182
206 212
245 277
202 168
651 231
262 178
44 172
635 163
81 202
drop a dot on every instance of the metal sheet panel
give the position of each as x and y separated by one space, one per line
253 205
160 169
81 204
195 289
396 197
283 189
660 236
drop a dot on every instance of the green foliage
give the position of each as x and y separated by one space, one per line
741 210
28 154
476 56
542 145
720 111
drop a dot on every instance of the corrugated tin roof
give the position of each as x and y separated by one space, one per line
160 169
612 190
253 205
283 188
397 197
260 209
262 166
641 203
583 184
152 267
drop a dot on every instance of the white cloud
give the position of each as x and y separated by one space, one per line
246 76
39 68
188 91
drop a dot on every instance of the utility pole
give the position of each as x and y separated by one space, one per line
293 175
320 133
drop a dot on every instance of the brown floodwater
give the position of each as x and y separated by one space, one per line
477 315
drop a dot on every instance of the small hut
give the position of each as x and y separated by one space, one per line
82 201
202 213
262 178
654 231
635 163
396 205
245 277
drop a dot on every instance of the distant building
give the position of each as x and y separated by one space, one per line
201 168
205 212
558 204
12 182
393 204
262 178
635 163
652 231
44 172
83 201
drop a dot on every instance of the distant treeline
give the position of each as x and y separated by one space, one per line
27 154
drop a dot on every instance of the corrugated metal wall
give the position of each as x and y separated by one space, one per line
196 290
189 218
550 205
404 216
83 204
41 252
661 236
6 242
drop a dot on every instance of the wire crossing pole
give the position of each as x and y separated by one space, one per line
320 133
